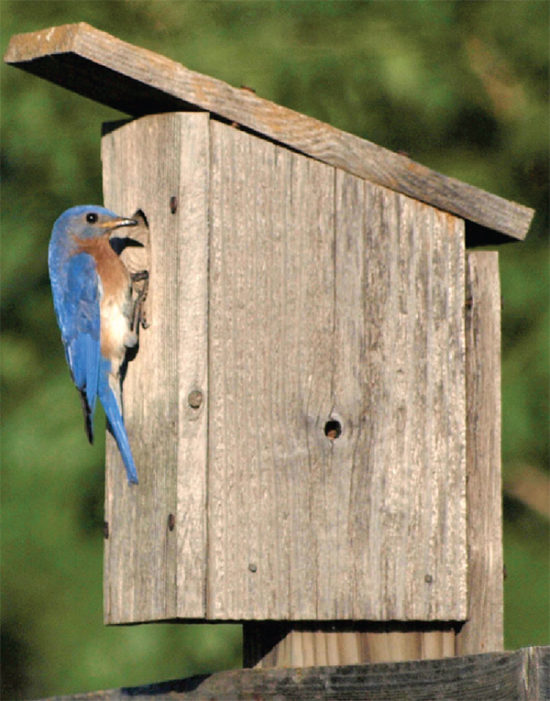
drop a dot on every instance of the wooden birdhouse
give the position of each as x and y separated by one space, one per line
314 409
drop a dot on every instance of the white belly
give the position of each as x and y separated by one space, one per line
116 334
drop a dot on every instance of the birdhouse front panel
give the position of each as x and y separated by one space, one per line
297 406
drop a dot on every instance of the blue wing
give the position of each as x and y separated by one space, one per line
76 294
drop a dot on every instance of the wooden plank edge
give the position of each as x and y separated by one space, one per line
521 674
483 631
68 56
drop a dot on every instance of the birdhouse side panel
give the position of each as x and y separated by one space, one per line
156 542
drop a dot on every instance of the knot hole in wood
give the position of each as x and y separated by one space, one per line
333 429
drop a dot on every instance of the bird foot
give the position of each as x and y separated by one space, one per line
139 318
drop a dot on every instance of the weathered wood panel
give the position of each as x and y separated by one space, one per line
155 553
134 80
523 675
325 306
399 389
313 302
270 331
483 632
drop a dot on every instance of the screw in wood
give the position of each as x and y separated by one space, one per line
252 567
428 578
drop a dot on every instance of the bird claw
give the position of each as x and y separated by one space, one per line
140 275
138 317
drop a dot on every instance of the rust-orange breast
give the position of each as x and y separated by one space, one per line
115 285
110 269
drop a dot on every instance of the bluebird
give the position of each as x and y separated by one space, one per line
92 297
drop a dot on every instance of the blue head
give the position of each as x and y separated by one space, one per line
86 222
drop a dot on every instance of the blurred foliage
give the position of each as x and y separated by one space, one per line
460 86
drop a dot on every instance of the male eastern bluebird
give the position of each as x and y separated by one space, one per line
93 304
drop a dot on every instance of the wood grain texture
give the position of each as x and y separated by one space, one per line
483 632
400 390
324 307
301 291
155 564
523 675
135 80
271 317
269 644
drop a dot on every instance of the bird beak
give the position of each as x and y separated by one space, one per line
119 222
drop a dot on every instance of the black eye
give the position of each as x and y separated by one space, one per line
91 218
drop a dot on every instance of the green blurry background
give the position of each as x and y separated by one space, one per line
460 86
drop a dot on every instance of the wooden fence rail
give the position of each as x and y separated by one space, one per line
522 675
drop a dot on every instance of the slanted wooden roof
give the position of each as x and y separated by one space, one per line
137 81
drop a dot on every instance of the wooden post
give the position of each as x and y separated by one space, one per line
275 644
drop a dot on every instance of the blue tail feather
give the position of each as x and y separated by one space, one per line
115 424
